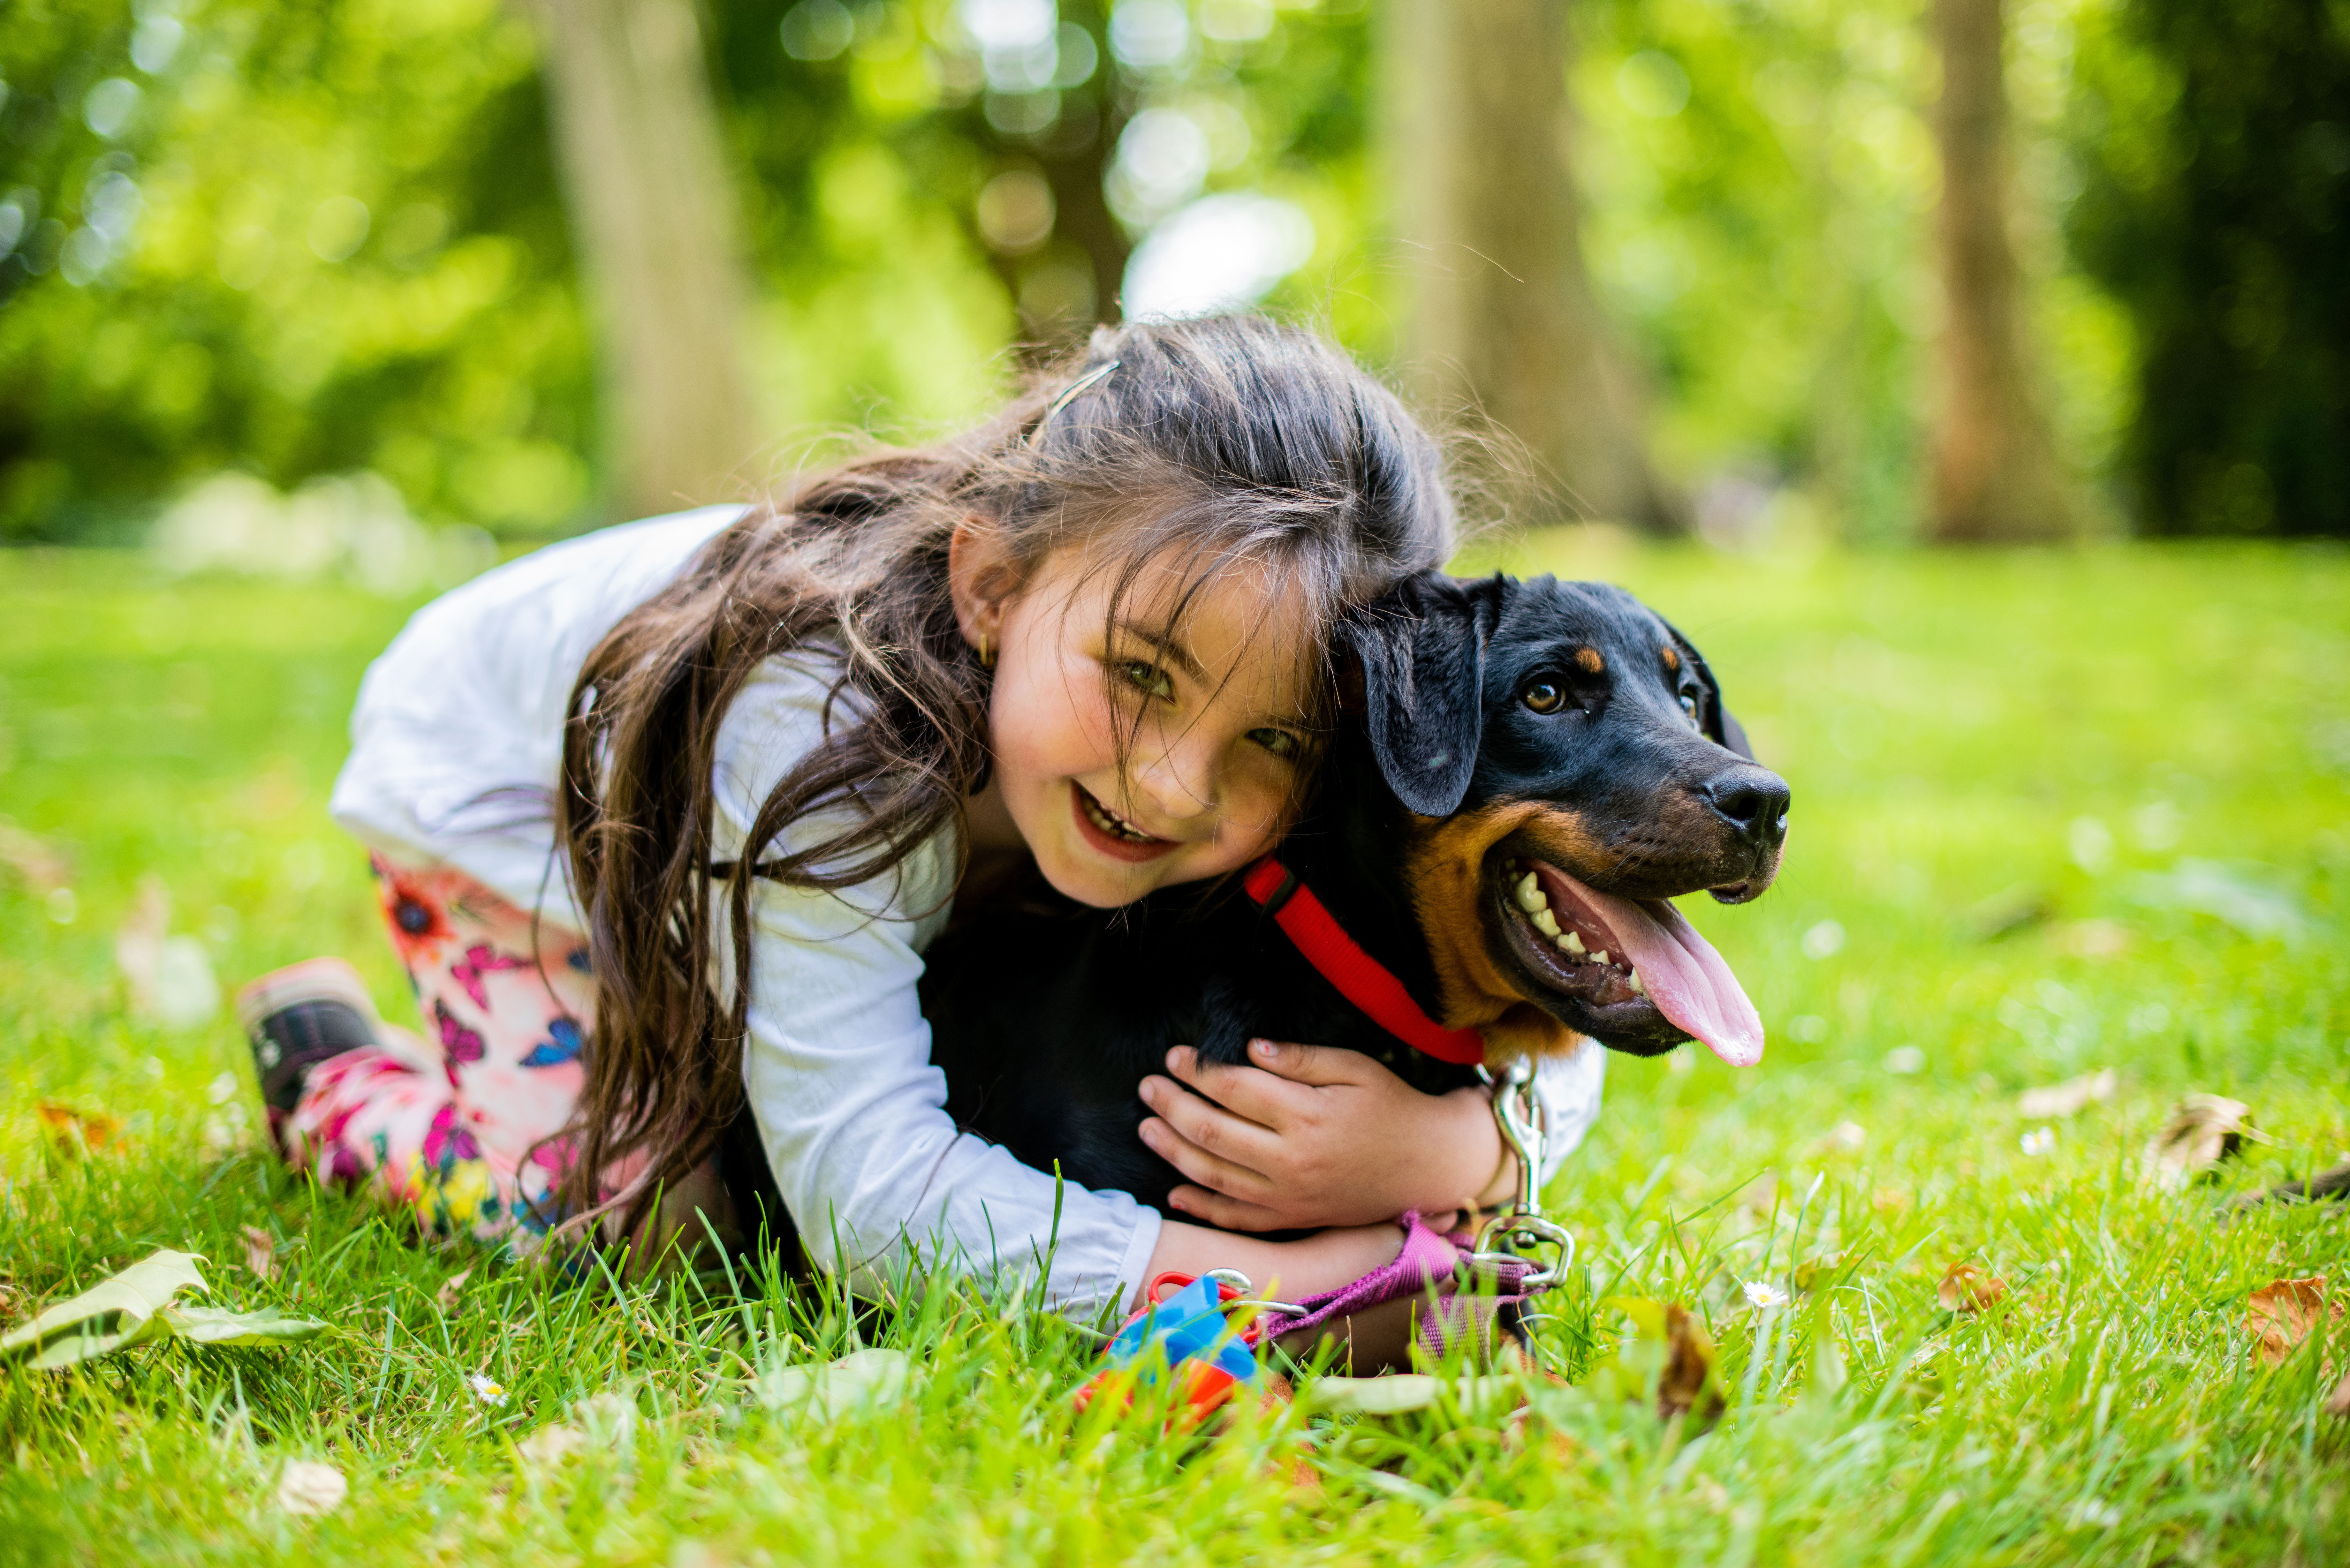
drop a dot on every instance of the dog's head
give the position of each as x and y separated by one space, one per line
1567 766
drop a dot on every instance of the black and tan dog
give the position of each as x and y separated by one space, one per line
1527 772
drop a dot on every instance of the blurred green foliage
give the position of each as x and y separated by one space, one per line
317 238
2218 207
298 238
1764 180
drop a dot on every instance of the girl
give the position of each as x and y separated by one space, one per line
664 817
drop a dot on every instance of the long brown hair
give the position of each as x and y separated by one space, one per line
1213 442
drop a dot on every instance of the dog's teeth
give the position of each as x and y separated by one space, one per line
1546 923
1573 942
1638 988
1600 957
1565 938
1530 894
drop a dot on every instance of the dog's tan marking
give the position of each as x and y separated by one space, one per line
1587 659
1673 657
1444 865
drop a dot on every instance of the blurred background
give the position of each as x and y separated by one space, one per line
376 290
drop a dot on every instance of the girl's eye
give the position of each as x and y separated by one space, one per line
1544 695
1148 678
1689 705
1280 742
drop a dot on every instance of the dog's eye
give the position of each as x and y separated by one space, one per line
1689 705
1544 695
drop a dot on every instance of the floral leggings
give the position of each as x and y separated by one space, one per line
459 1126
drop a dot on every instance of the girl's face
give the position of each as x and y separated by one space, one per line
1212 710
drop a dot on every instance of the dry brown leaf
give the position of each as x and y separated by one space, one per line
1967 1288
1808 1273
2068 1098
2333 1183
1687 1384
2338 1402
42 865
2204 1130
138 941
2091 939
447 1294
2282 1313
548 1445
77 1131
311 1488
260 1252
2009 911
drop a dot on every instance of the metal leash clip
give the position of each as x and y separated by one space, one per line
1519 1233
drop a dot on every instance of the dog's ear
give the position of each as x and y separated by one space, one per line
1721 727
1422 654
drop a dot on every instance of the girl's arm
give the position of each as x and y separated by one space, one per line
1284 1270
1311 1136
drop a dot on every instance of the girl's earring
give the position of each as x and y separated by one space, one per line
986 652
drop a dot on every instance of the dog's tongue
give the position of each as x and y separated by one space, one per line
1684 976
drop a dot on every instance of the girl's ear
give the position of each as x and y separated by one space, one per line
980 578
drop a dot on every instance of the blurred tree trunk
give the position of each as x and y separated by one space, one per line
1083 215
1995 471
1503 309
1085 234
652 210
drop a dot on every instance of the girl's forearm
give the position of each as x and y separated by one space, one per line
1494 1168
1285 1269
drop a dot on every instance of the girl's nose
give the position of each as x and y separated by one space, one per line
1180 783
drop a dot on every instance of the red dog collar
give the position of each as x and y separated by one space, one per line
1360 977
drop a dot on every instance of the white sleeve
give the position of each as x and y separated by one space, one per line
1569 1088
837 1063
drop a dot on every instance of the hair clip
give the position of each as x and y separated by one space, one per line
1073 391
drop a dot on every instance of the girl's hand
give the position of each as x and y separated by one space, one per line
1310 1136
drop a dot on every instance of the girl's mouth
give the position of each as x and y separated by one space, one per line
1112 834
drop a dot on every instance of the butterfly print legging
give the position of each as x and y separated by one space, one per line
459 1125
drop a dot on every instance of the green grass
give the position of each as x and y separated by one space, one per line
2054 731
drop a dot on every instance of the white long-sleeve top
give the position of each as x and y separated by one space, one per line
456 751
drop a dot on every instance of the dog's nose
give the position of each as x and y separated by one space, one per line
1753 801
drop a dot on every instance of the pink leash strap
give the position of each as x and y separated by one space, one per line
1427 1263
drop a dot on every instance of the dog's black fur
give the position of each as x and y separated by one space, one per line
1046 1015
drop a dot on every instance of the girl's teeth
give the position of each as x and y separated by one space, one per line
1531 897
1102 819
1546 923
